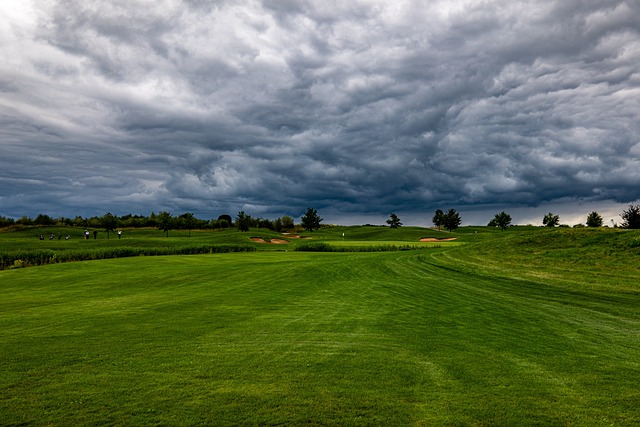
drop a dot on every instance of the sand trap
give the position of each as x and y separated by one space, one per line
273 241
435 239
279 242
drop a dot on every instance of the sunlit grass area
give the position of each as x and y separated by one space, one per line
525 327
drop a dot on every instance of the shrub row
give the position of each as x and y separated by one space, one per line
325 247
16 259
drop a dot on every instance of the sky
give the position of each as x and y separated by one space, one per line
355 108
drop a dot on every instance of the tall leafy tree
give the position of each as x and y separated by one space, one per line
152 220
165 222
5 221
452 220
243 221
287 222
264 223
551 220
225 217
188 221
501 220
109 222
438 219
310 220
394 221
24 220
594 219
631 217
43 219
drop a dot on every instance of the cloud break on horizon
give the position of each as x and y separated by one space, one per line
357 109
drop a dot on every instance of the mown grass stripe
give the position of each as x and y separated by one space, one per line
395 338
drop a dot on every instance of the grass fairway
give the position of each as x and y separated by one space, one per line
505 329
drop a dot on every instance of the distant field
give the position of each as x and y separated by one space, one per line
525 327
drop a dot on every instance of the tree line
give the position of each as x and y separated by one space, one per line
630 217
165 221
124 221
451 219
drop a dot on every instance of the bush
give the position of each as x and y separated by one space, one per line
17 264
315 247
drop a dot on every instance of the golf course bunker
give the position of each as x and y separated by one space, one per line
435 239
272 241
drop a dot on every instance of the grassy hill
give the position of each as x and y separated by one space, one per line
525 327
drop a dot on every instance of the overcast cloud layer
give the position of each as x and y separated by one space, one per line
358 108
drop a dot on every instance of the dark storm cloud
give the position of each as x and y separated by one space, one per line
356 108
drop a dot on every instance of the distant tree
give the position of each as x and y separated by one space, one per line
594 219
165 222
134 221
24 220
501 220
243 221
225 217
6 221
452 220
187 221
438 219
631 217
287 222
78 221
109 222
65 222
310 220
43 219
551 220
152 220
95 222
394 221
264 223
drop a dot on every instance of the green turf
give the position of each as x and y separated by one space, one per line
530 327
398 243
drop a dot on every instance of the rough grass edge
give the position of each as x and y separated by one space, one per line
325 247
19 259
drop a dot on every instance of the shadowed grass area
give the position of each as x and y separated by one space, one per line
474 334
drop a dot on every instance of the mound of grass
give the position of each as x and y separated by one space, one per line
597 258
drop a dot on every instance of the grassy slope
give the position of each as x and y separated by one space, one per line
511 328
25 249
